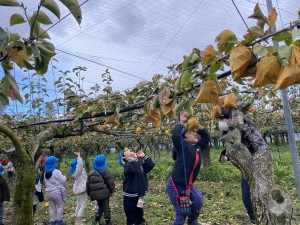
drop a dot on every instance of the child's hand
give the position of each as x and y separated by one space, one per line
77 154
140 154
183 117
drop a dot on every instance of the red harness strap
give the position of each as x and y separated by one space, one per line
190 179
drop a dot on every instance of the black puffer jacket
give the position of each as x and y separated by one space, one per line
99 188
4 191
189 155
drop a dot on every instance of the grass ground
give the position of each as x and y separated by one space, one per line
220 185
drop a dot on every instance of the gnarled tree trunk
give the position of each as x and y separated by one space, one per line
25 179
271 203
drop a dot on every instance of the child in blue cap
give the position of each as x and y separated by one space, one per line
79 187
4 194
55 191
100 186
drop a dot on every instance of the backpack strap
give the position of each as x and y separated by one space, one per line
99 175
192 173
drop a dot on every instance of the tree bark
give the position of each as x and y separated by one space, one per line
206 157
271 203
25 178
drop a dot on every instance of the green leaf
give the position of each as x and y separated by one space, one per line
74 8
9 3
28 65
260 50
38 31
284 54
41 67
226 39
285 36
45 51
4 36
295 34
36 52
52 6
42 18
271 49
257 14
3 100
181 106
69 79
43 34
216 66
7 65
185 79
16 19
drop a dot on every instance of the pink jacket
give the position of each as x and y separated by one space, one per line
80 177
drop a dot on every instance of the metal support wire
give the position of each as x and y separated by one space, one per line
288 121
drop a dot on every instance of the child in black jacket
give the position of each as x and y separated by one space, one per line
187 153
135 185
4 194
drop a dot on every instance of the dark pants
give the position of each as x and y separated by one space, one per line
134 214
103 207
246 195
1 213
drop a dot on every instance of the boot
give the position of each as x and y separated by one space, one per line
61 222
193 219
78 220
97 219
108 222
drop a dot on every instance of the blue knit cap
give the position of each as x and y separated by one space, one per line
50 163
99 162
73 165
1 169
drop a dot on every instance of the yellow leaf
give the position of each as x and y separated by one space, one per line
272 17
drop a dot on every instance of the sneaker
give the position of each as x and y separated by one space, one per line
61 222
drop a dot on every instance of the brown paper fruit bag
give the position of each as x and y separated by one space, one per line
268 69
192 123
208 93
230 102
216 112
290 74
239 60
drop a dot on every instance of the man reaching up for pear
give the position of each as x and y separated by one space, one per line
187 155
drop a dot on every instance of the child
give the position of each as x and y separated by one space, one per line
79 187
135 185
187 153
100 186
4 194
10 170
55 191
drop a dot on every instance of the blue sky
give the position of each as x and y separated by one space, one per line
138 38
